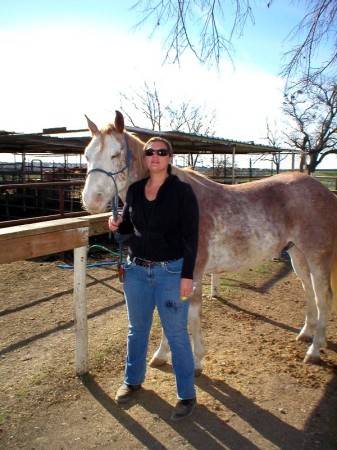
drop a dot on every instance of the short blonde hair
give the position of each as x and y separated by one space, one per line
159 139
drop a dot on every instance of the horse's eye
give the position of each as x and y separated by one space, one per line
116 154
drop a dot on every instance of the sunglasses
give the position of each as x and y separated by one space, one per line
160 152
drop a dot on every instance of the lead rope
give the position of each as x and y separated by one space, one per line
119 238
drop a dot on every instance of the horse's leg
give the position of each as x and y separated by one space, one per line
195 325
301 269
320 274
159 358
315 278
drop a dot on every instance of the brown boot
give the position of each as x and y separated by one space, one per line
183 409
126 391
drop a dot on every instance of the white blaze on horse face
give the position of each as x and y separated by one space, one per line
99 188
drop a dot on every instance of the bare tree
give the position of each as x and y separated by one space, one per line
207 28
184 116
274 139
312 117
146 102
196 25
192 119
317 27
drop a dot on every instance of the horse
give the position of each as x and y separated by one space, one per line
241 226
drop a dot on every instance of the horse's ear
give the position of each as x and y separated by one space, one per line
92 126
119 122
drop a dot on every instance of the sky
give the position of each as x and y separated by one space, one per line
67 58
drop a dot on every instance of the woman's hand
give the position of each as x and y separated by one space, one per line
186 288
114 224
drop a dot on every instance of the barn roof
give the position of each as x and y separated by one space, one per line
60 141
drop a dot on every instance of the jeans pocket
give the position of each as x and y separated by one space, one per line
174 266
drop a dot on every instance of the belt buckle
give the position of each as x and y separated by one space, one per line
147 263
142 262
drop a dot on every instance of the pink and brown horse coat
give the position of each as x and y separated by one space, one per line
241 226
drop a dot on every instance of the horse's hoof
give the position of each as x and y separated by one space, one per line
156 362
312 359
197 372
304 338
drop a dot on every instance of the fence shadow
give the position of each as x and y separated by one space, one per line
205 429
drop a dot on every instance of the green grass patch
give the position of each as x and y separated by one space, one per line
38 378
326 173
114 348
4 417
330 181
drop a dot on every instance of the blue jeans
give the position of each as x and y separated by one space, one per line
146 288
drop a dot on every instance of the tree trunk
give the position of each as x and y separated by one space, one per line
312 163
302 163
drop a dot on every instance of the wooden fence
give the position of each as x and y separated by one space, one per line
45 238
35 202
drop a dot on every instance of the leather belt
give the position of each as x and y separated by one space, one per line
146 263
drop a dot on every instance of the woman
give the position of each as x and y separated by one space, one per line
161 214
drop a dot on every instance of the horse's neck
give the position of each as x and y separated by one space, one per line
137 170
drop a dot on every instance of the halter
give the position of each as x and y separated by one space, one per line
114 200
114 204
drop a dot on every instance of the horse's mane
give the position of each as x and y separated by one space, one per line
109 128
136 146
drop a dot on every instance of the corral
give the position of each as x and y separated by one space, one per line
255 391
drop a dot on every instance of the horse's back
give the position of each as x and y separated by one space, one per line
291 194
305 197
246 224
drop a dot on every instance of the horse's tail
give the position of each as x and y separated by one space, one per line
334 282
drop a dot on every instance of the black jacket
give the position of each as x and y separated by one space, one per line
170 230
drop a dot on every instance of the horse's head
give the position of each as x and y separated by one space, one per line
112 156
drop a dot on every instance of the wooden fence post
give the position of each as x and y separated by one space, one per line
80 310
215 284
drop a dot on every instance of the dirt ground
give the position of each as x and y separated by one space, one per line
254 393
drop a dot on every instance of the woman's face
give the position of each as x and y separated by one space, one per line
156 163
